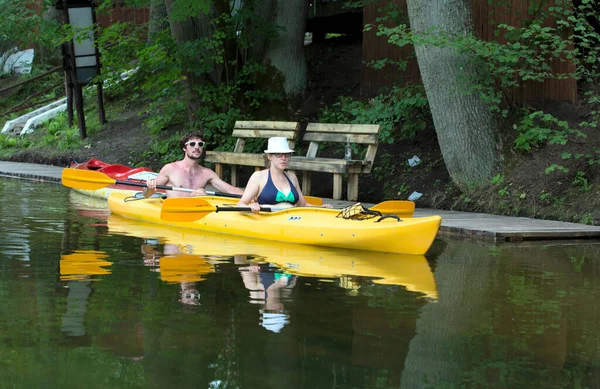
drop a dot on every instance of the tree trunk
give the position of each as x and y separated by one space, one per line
465 126
45 55
286 51
190 30
265 10
159 20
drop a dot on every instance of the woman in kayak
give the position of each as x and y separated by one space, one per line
274 186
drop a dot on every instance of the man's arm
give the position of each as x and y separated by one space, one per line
161 179
222 186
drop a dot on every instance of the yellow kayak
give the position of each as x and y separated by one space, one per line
304 225
411 271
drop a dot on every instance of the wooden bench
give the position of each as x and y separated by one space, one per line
363 134
244 130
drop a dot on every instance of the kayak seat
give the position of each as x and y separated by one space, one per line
130 172
95 164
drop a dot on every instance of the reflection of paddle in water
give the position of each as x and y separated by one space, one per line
79 268
269 287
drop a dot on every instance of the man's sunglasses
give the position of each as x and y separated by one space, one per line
280 155
193 144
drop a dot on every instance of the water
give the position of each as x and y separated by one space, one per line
97 301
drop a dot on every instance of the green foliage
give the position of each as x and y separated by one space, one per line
544 196
554 167
13 142
587 218
19 24
401 113
539 128
498 179
59 134
581 182
165 150
211 78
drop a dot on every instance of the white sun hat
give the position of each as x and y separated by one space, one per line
273 322
278 144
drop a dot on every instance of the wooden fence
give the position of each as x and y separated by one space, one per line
375 47
124 14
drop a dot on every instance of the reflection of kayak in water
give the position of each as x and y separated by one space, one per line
80 265
89 206
410 271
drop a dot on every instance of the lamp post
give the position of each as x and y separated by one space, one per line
80 57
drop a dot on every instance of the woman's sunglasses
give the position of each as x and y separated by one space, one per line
193 144
281 155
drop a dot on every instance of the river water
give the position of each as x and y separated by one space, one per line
92 300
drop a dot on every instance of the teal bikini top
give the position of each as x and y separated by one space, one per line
280 198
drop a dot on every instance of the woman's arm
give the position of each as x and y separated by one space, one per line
251 192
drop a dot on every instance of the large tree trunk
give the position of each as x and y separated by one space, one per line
159 19
286 51
466 128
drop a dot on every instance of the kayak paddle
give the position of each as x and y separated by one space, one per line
189 209
92 180
401 208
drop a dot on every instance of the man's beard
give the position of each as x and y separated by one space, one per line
192 156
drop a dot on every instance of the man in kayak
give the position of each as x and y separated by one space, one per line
188 173
273 185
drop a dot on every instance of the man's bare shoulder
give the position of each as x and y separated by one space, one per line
171 166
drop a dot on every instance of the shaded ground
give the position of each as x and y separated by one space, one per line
335 70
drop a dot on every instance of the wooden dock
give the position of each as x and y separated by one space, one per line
475 225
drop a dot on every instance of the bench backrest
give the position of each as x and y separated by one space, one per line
366 134
243 130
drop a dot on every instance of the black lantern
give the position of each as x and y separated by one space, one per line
80 56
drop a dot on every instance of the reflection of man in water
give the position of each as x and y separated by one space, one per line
189 293
268 286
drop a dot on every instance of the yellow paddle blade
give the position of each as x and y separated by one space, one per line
186 209
317 201
401 208
85 179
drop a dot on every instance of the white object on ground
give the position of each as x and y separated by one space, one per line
9 125
414 161
414 196
37 120
18 62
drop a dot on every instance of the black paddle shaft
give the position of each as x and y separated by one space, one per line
144 185
238 209
165 187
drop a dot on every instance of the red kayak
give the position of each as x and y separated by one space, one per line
117 172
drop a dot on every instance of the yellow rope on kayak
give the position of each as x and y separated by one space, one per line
358 212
